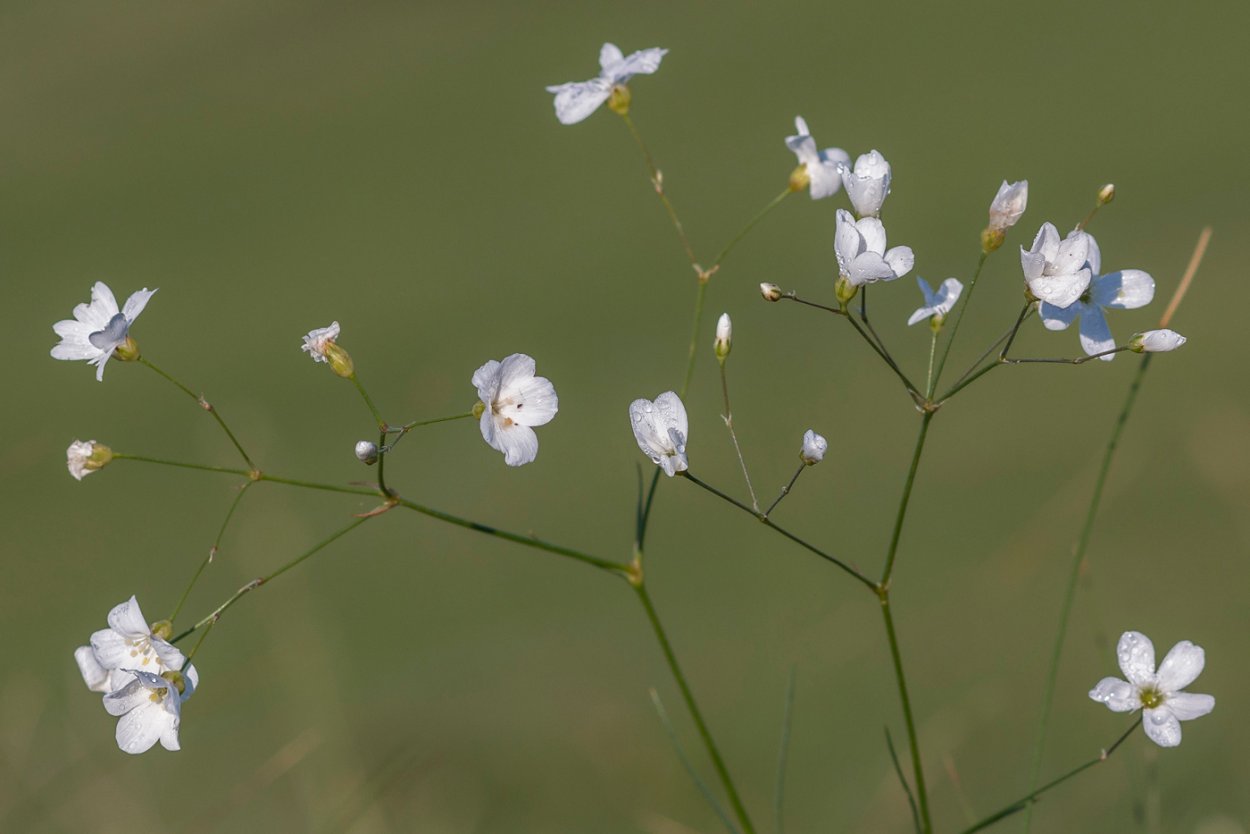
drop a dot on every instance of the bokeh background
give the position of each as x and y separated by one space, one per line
397 167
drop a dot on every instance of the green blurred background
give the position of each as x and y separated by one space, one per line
397 167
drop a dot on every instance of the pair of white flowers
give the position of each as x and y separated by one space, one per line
867 182
141 676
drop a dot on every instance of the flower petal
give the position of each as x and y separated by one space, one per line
1181 667
1161 726
518 443
1137 658
578 99
1118 695
1095 333
534 402
901 260
1059 318
486 380
825 179
135 304
1187 706
609 56
642 62
111 650
141 727
127 619
93 674
1124 290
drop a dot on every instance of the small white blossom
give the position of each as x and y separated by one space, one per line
868 183
514 400
824 168
1057 272
1157 693
149 709
576 100
1127 289
367 452
1156 341
318 341
98 328
724 336
862 256
85 457
1008 205
814 448
660 428
127 644
771 292
936 303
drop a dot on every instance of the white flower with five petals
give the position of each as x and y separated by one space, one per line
937 303
868 183
1057 271
99 328
1127 289
127 644
660 428
514 400
862 256
1156 692
824 168
576 100
149 709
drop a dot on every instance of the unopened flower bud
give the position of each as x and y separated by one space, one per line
83 458
771 292
320 344
367 452
1005 210
1106 194
724 337
800 178
618 101
1156 341
814 448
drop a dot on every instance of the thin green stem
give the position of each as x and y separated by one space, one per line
772 204
885 357
692 352
224 470
1074 571
928 384
740 811
785 490
382 488
206 405
1009 333
373 409
702 787
401 432
767 522
212 551
783 755
256 583
728 417
1079 360
902 779
644 515
199 642
922 796
657 182
1031 797
967 299
901 516
792 296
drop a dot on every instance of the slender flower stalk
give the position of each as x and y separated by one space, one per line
785 490
212 551
896 657
963 308
204 404
736 239
373 409
657 182
728 417
402 431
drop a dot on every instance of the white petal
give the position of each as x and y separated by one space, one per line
127 619
514 371
578 99
901 260
1136 655
1181 667
93 674
920 315
825 179
1095 334
111 650
1073 253
168 654
869 268
103 305
1033 264
518 443
1124 290
135 304
1061 289
1161 726
132 695
642 62
1118 695
1188 706
75 351
142 727
1046 243
1093 258
930 297
948 294
1059 318
486 380
847 241
872 231
534 403
609 56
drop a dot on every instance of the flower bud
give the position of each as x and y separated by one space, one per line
340 361
128 350
1156 341
367 452
771 292
1008 205
83 458
814 448
724 337
867 183
1106 194
800 179
619 100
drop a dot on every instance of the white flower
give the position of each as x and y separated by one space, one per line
862 256
724 336
98 328
936 303
515 399
1057 272
1008 205
127 644
318 341
824 168
578 99
149 708
814 448
1159 693
83 458
660 428
1124 290
1156 341
868 183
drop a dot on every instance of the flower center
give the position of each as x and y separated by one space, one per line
1151 697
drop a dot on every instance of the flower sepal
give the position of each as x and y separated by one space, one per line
619 99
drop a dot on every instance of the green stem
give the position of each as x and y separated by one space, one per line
1028 799
382 488
922 797
207 406
704 790
901 516
967 299
767 522
373 409
657 181
785 490
928 385
776 201
783 755
902 779
212 551
718 763
1074 570
644 515
402 432
885 357
694 337
733 435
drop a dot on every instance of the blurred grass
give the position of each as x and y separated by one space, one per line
397 167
